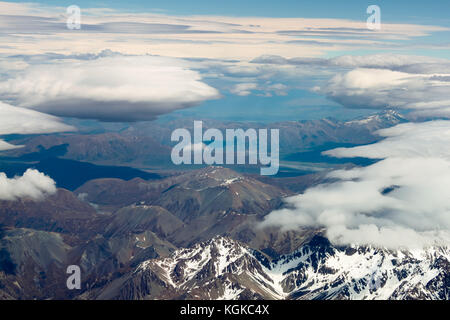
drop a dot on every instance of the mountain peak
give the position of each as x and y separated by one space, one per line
385 118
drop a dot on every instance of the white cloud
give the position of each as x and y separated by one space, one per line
119 88
427 139
278 88
394 62
213 37
195 147
381 88
15 120
266 89
244 89
400 201
33 184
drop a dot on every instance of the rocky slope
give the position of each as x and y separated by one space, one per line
61 212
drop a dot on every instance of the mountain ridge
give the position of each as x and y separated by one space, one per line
223 268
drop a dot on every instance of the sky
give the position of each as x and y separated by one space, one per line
413 11
251 61
222 40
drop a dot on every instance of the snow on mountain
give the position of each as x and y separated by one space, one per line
319 270
223 268
387 118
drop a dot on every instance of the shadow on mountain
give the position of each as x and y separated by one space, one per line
6 264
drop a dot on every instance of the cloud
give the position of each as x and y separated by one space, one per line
279 60
409 140
117 88
195 147
33 184
265 89
402 200
16 120
278 88
42 25
37 28
394 62
381 88
244 89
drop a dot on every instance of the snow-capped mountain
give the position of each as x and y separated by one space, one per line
223 268
387 118
320 270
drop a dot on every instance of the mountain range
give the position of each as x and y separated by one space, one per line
222 268
194 234
148 144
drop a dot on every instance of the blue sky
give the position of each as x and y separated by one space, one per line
412 11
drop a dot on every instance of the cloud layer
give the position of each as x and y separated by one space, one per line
119 88
400 201
212 37
33 184
390 61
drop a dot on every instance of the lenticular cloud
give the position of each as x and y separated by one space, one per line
118 88
15 120
402 200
